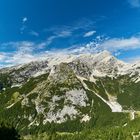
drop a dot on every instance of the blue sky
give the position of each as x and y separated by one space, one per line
30 29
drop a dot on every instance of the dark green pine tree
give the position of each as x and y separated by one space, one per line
8 133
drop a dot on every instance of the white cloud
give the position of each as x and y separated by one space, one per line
61 34
24 19
23 26
22 29
34 33
2 56
23 52
18 45
26 51
134 3
116 44
20 58
133 59
50 40
90 33
82 24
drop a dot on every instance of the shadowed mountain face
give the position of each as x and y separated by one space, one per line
70 92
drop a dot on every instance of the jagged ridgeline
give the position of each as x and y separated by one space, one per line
72 97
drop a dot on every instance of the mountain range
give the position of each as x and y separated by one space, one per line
73 95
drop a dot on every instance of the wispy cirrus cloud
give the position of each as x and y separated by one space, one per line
23 26
24 19
132 59
27 51
2 56
90 33
25 29
76 29
134 3
24 45
61 34
23 52
81 24
34 33
115 44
